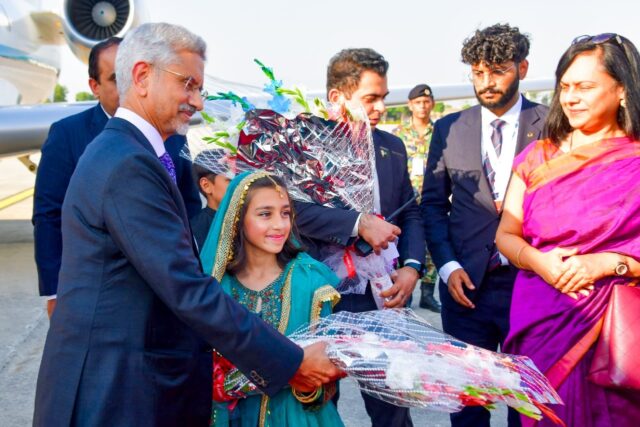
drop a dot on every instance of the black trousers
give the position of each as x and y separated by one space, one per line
382 414
485 326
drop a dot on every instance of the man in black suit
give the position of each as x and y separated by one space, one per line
360 75
65 143
466 177
130 339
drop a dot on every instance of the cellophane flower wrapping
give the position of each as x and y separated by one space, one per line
397 357
325 155
323 152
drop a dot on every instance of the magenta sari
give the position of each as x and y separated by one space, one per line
589 199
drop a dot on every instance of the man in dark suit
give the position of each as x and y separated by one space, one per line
360 75
130 339
65 143
467 172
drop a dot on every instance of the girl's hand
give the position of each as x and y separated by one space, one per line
550 265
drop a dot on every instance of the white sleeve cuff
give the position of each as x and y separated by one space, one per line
354 232
50 297
447 269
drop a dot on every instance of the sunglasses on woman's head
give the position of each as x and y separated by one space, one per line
598 39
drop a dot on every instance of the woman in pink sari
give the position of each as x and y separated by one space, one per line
571 222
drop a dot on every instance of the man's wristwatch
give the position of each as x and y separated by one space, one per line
621 268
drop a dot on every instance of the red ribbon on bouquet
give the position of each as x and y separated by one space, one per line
221 367
348 261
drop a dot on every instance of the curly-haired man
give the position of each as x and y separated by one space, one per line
468 168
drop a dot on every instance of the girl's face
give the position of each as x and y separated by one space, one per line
267 221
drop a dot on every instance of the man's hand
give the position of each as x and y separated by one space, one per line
315 370
404 282
458 278
377 232
51 305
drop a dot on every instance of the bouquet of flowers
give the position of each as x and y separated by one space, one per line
324 153
399 358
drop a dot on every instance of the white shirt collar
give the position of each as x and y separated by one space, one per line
151 133
105 111
511 116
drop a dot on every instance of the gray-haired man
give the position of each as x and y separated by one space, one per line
130 340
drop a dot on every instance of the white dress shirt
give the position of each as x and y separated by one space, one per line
151 133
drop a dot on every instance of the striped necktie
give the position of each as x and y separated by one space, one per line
496 140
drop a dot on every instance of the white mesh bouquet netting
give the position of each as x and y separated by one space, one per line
324 153
399 358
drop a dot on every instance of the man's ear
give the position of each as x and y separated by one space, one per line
523 67
141 75
335 95
93 84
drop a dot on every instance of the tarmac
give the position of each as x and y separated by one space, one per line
24 323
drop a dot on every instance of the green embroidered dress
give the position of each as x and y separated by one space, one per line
302 293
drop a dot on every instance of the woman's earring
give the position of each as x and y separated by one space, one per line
623 103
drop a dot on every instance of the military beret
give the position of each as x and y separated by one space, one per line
420 90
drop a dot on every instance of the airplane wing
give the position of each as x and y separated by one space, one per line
23 129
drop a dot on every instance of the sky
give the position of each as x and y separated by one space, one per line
420 39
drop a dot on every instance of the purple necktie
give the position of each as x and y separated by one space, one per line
166 161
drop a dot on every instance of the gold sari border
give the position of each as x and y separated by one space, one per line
597 153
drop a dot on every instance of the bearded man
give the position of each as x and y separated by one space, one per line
468 169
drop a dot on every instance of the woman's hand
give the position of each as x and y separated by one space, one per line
582 271
551 265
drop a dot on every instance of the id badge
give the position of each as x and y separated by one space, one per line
417 166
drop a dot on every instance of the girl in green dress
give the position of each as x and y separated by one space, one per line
251 251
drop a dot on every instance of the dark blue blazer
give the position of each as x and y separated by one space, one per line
125 346
460 217
65 143
320 226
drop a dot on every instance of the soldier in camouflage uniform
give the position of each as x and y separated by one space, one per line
416 134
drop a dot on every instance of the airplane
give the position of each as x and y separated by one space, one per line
30 37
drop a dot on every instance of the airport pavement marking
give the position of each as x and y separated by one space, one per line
18 197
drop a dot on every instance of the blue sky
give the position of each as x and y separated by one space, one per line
421 39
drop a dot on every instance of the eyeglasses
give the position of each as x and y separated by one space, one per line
189 83
493 73
597 39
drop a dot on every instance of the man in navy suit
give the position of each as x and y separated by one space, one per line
360 75
466 177
130 340
65 143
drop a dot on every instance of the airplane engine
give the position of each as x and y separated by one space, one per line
87 22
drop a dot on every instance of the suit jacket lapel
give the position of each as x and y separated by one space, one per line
384 169
530 125
472 149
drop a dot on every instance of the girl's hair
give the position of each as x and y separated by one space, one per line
620 59
291 247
